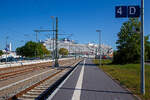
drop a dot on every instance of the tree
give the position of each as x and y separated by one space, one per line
63 51
1 53
128 43
147 48
41 50
19 51
32 49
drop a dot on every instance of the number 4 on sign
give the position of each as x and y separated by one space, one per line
121 11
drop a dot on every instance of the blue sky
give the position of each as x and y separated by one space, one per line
18 19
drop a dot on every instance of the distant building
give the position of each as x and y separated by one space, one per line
9 54
79 49
9 51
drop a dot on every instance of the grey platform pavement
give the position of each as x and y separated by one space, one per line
88 82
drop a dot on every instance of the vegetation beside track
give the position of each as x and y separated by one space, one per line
32 49
128 75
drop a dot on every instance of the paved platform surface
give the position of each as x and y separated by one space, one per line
88 82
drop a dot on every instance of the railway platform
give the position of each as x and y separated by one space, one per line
88 82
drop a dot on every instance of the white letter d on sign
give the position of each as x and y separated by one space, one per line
132 10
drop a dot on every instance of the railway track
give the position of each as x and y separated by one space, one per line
22 70
5 71
32 92
9 69
35 90
18 72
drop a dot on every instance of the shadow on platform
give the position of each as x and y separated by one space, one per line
89 65
120 92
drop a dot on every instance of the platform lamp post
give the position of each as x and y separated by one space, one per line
53 23
56 45
99 31
75 51
69 42
142 49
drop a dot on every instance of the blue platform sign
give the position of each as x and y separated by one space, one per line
133 11
127 11
121 11
6 49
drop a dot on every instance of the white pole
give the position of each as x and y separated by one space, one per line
100 48
142 49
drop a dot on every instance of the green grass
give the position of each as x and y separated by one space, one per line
128 75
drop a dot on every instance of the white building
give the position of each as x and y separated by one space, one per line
83 49
10 46
9 54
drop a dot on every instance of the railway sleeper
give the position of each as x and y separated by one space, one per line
34 93
30 95
41 88
34 90
26 98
